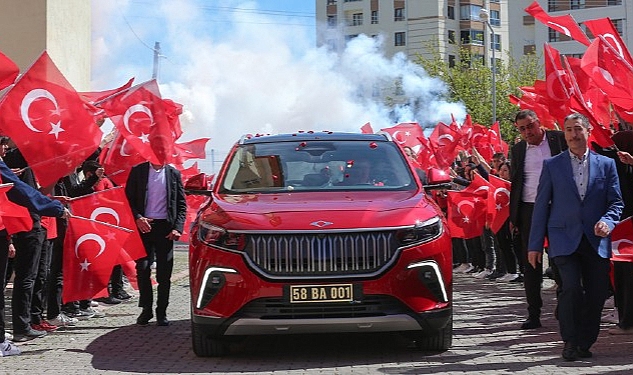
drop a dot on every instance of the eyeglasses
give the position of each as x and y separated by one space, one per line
523 128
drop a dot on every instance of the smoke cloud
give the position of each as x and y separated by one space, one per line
245 72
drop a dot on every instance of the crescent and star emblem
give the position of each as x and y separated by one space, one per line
89 237
138 108
616 245
504 191
465 218
28 99
558 26
107 211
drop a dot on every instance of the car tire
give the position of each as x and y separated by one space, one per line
205 345
438 341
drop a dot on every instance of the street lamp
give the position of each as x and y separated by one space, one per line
484 16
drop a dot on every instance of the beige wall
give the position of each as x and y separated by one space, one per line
61 27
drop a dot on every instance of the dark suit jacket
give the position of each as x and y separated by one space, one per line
557 144
136 191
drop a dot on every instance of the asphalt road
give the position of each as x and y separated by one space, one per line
486 340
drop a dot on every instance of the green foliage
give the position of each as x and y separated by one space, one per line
470 82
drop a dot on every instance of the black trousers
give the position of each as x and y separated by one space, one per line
40 287
623 285
55 277
585 284
28 250
532 277
161 250
4 257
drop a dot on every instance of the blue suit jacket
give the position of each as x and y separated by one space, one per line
563 217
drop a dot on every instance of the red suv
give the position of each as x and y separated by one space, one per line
319 232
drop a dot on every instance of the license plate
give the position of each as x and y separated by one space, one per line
321 293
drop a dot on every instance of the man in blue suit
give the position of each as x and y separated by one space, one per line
578 203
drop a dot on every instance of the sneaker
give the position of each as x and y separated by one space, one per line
94 303
109 300
81 314
508 277
610 317
8 336
8 348
518 279
464 268
62 320
30 334
93 313
482 274
122 295
495 275
44 326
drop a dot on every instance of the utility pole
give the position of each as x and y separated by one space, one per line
156 56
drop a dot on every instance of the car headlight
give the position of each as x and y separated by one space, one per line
421 232
213 235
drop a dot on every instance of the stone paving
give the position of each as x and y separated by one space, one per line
486 341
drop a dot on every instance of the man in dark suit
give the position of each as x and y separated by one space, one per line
527 158
577 205
157 199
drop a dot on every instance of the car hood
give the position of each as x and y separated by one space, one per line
318 211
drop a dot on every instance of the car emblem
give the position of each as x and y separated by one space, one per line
321 223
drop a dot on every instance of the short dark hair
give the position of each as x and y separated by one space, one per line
524 113
90 166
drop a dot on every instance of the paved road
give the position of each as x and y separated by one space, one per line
486 341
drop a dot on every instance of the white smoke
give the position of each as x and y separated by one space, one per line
253 73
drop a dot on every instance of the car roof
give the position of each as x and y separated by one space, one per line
312 136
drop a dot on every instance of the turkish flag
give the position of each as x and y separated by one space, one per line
466 214
8 71
406 134
497 142
118 158
605 28
366 129
15 218
609 71
445 141
139 114
190 150
186 173
111 206
530 99
466 133
426 154
622 241
48 121
563 24
173 111
194 202
96 96
498 202
91 250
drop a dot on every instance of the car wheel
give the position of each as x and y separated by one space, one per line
440 340
205 345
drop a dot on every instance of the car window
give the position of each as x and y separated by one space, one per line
317 165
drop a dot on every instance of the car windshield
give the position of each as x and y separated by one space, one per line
317 165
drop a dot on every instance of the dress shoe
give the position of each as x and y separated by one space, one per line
145 317
570 352
162 321
531 323
583 353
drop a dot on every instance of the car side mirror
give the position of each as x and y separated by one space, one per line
438 179
198 185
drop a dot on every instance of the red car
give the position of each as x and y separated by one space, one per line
319 232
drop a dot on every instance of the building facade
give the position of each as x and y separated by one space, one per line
417 27
61 27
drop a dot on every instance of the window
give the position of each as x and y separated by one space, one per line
398 14
451 61
374 16
553 35
399 39
451 12
470 12
495 18
495 42
331 21
331 2
472 37
552 6
350 1
357 19
618 24
451 36
577 4
614 2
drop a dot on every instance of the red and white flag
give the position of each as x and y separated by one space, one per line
48 121
466 214
14 218
8 71
622 241
118 158
563 24
91 250
498 202
190 150
406 134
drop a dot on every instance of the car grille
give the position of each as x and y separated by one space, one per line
276 308
322 254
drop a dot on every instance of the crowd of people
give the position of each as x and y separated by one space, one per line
33 259
566 197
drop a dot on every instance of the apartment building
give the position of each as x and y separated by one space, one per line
412 26
527 35
61 27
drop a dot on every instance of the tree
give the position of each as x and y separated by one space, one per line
469 81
